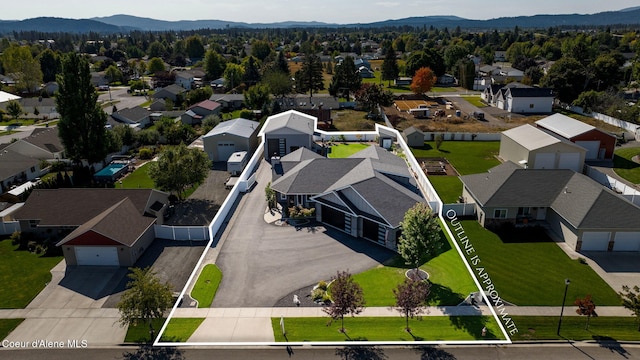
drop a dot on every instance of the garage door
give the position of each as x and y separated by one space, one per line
97 255
225 149
595 241
592 148
627 241
545 161
569 161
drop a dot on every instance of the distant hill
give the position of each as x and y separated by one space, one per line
125 23
52 25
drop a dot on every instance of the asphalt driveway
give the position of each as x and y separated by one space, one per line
262 262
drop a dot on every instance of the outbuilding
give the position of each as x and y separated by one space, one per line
413 136
231 136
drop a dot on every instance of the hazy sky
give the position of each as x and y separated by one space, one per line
330 11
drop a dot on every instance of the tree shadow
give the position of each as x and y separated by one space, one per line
443 295
433 353
361 353
622 163
612 344
146 352
473 325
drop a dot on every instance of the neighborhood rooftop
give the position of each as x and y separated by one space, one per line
564 126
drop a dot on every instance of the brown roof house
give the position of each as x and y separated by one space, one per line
98 227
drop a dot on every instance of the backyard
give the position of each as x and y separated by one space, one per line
573 327
346 149
624 165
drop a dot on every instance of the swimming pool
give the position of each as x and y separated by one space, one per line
111 172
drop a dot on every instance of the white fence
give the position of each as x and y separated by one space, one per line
457 136
321 135
628 192
630 127
9 227
460 209
181 232
248 177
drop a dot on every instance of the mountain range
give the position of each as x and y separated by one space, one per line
127 23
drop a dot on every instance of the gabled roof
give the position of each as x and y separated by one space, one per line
293 120
124 213
564 126
300 154
13 163
207 105
37 101
530 92
530 137
46 138
227 97
173 89
412 130
577 198
238 127
5 96
134 114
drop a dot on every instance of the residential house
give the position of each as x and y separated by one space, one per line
229 102
526 100
533 148
185 79
446 79
158 105
43 144
50 88
600 145
171 92
413 136
365 195
231 136
578 210
105 227
16 168
44 107
365 72
287 132
362 62
6 97
135 115
197 112
98 79
402 81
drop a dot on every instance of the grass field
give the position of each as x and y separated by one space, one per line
532 274
22 275
346 150
139 179
207 285
181 329
449 188
475 100
7 326
467 157
450 281
429 328
624 166
139 333
352 120
573 328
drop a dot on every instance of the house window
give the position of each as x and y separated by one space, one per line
283 196
531 106
33 169
500 213
524 211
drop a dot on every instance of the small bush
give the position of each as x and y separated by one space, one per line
582 261
322 285
326 298
317 294
16 237
145 154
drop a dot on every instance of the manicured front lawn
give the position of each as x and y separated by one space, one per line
573 328
430 328
533 273
474 100
7 326
139 333
624 166
346 150
449 188
468 157
205 288
181 329
139 179
22 275
450 280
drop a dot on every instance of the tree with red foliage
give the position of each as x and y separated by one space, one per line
423 80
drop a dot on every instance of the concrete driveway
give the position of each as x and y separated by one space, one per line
261 262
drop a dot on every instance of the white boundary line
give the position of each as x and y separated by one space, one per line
342 343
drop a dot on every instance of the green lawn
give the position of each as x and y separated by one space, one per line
22 275
181 329
139 179
7 326
429 328
449 188
205 288
7 132
345 150
450 280
468 157
624 166
18 122
573 328
474 100
533 273
139 333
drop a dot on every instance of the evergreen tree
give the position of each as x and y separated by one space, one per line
281 63
251 74
82 120
309 77
390 68
346 79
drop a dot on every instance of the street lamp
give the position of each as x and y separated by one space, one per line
566 287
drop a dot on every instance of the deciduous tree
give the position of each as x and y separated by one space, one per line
586 307
347 298
423 81
279 82
146 299
411 297
18 61
14 109
369 96
178 168
257 97
233 75
631 300
214 65
420 239
155 65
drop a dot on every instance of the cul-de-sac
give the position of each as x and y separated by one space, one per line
397 184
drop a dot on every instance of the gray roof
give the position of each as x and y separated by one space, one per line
412 130
564 126
227 97
530 137
294 120
134 114
577 198
173 89
530 92
238 127
46 138
13 163
300 154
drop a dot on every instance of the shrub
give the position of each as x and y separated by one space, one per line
582 261
326 298
145 154
317 294
322 285
16 237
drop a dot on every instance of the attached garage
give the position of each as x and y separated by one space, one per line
333 217
545 161
225 149
97 256
595 241
569 161
627 241
593 148
370 230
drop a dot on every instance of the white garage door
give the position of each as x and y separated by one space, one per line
569 161
225 149
595 241
592 148
627 241
545 161
97 255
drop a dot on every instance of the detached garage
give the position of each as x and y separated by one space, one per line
231 136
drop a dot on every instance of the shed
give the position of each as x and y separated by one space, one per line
413 136
231 136
286 132
236 163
